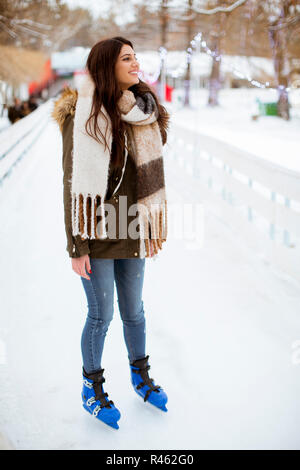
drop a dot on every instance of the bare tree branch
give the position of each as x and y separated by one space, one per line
212 11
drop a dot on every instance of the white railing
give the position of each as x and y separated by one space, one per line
17 139
258 199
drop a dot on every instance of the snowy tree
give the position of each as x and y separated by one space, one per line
280 17
216 36
216 12
43 25
163 31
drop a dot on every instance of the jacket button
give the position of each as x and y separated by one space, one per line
135 254
116 199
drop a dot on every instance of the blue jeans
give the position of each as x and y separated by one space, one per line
129 277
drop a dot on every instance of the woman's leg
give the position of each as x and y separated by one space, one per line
129 278
100 297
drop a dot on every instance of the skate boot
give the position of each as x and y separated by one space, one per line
144 386
95 401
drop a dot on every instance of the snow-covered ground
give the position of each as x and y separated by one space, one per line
223 329
4 123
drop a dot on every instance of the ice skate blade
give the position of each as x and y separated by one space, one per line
112 424
164 408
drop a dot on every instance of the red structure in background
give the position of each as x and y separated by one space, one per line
45 80
168 93
168 89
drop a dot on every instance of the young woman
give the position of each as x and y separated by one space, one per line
113 130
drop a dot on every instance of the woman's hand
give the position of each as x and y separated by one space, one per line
80 265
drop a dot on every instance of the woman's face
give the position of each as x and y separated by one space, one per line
127 67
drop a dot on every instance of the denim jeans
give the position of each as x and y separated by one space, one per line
128 274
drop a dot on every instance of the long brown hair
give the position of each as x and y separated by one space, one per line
101 67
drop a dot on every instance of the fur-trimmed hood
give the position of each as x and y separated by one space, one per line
66 104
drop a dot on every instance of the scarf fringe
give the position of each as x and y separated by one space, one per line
84 218
85 209
157 222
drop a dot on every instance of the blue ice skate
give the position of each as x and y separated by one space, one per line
143 385
95 401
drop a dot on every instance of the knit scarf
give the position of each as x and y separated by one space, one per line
91 168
